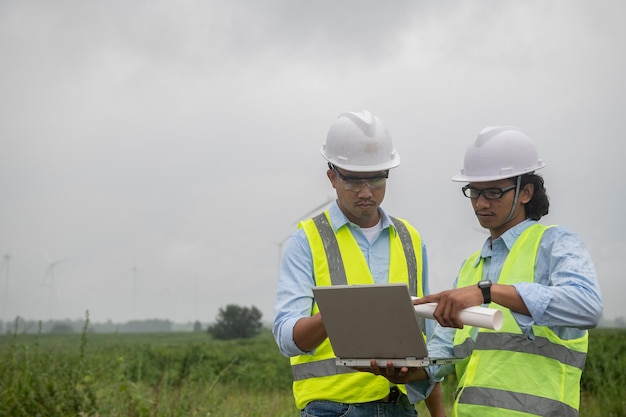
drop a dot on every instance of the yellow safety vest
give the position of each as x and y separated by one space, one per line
337 259
506 374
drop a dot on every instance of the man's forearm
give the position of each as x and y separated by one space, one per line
434 402
309 332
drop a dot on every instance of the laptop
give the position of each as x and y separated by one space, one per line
376 321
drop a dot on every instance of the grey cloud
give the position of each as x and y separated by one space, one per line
183 137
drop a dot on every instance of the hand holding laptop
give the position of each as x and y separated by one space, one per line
396 375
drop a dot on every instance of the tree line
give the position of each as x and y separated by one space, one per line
232 322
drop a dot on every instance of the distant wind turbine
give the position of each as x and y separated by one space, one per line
305 216
313 211
49 280
280 246
135 271
195 299
6 269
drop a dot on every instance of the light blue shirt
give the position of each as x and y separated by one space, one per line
565 295
294 296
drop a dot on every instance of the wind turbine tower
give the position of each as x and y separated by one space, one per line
6 270
49 280
134 295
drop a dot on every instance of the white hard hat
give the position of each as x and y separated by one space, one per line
499 152
359 142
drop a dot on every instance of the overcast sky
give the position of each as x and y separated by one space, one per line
161 151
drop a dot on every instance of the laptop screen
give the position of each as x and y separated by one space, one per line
371 321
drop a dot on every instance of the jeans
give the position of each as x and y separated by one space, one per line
402 408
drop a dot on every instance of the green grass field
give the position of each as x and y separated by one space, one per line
188 374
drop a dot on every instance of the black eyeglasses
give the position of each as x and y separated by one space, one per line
488 193
357 183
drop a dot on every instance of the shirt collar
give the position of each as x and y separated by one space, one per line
338 219
508 238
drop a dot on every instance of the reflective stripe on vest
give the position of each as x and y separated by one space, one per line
317 377
517 343
541 376
483 400
335 262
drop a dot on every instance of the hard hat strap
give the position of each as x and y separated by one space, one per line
517 187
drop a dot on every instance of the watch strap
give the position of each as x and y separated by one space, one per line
485 287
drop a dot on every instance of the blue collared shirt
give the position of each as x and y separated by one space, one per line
294 295
565 295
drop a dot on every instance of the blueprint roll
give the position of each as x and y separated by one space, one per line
488 318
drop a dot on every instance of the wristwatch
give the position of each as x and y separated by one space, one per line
485 287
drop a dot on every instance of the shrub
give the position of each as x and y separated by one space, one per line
235 322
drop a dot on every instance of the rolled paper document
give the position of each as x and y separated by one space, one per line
489 318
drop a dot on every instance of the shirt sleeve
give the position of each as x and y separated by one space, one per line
418 391
565 295
294 295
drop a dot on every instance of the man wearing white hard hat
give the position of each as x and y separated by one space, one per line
541 277
353 242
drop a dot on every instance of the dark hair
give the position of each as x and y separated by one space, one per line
539 204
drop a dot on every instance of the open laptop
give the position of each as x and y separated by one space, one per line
375 321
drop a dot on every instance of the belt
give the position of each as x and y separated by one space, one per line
395 395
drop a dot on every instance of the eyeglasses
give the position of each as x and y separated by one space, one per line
488 193
357 183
